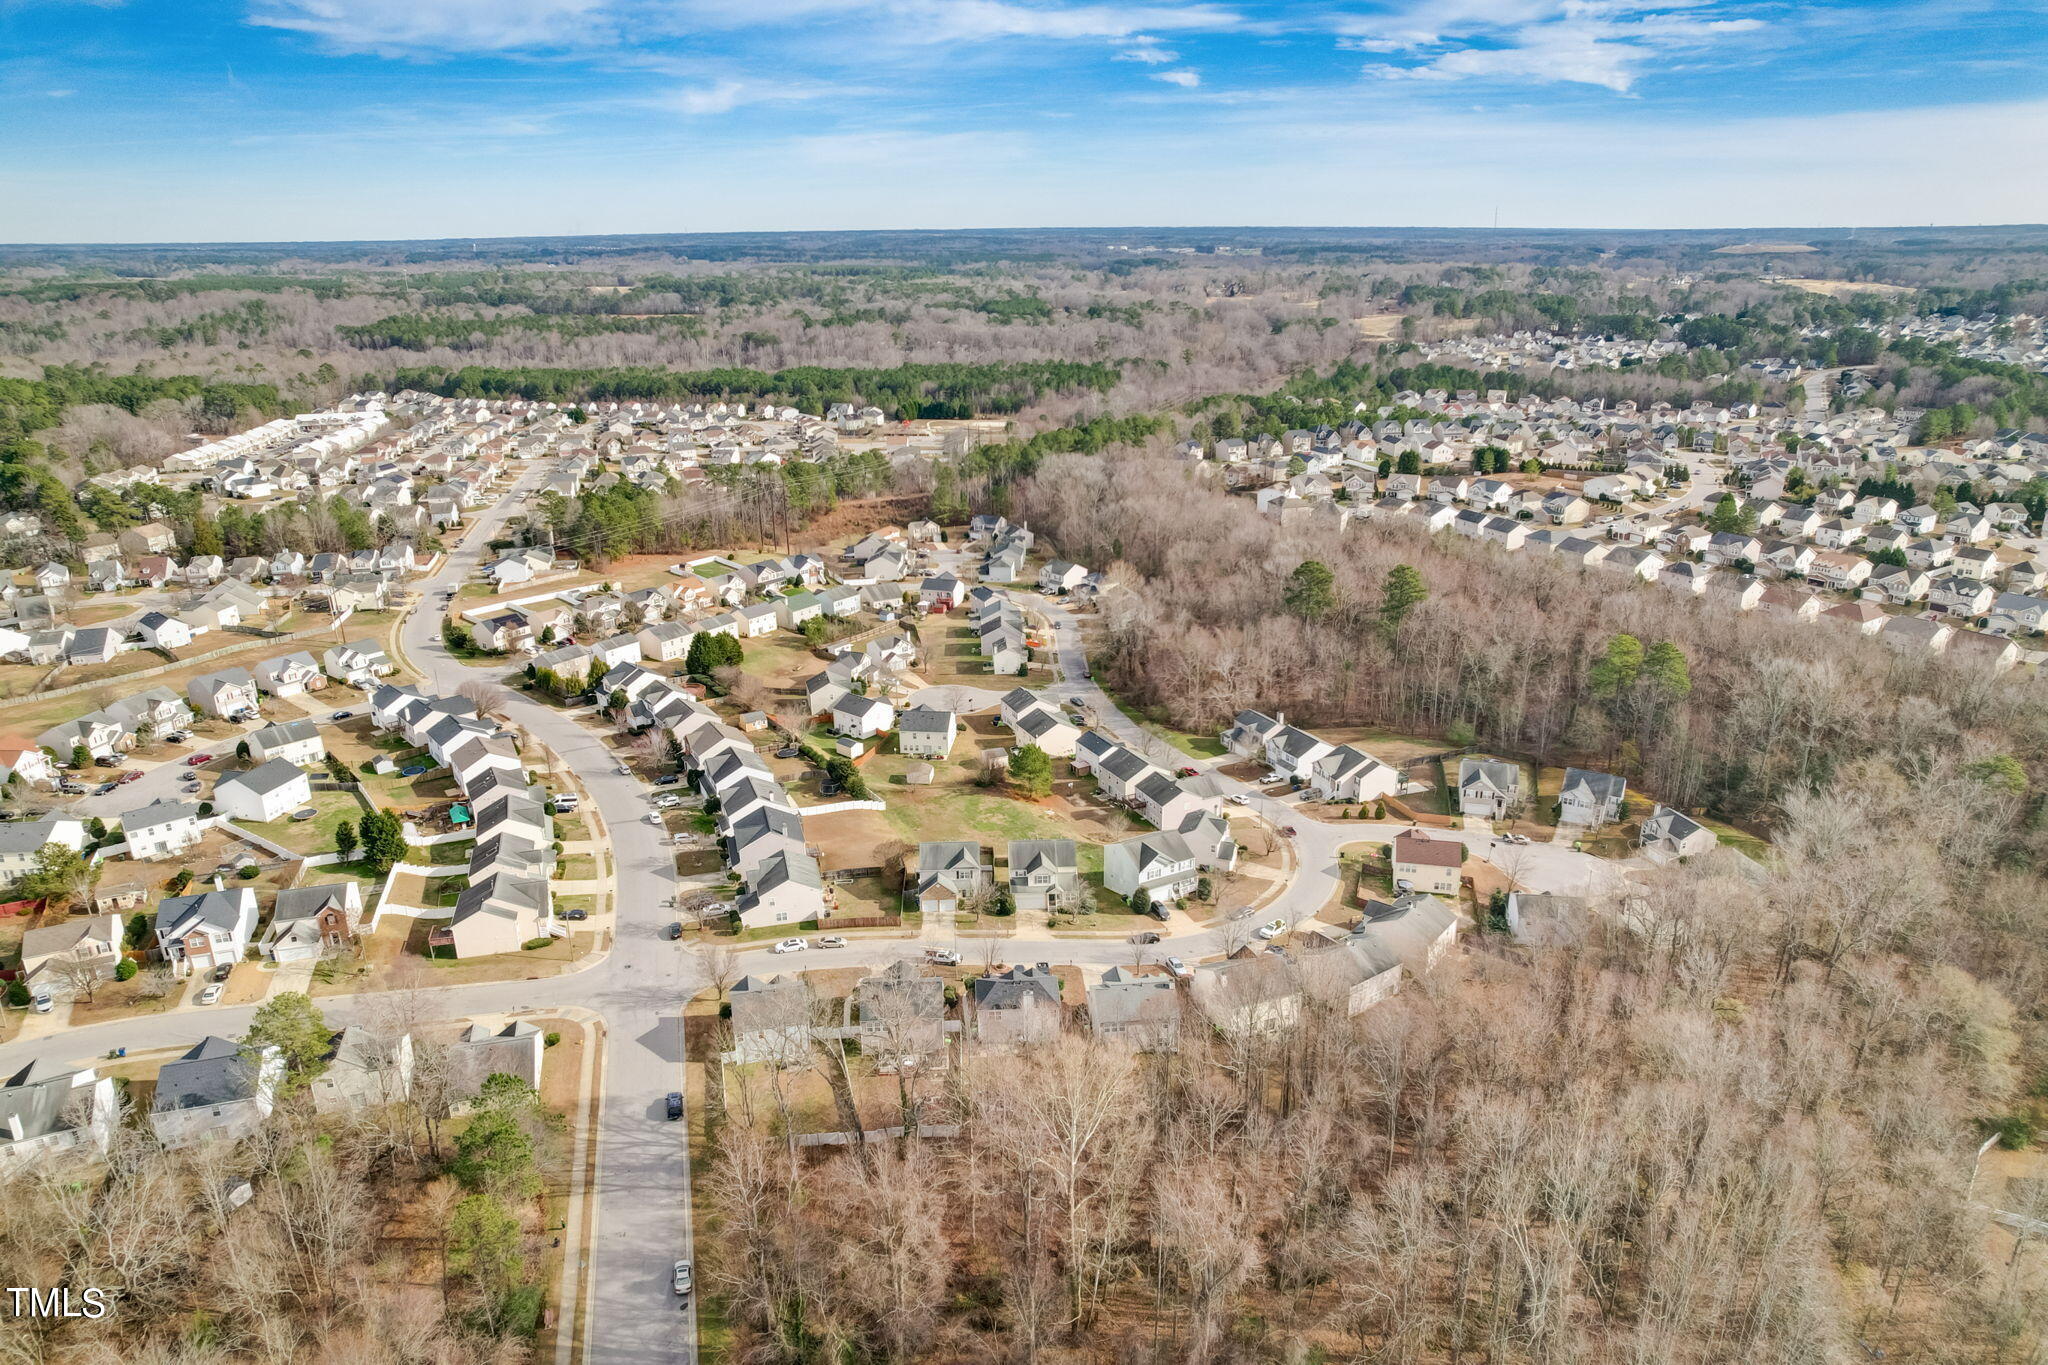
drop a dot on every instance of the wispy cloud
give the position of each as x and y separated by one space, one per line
1185 79
1607 43
409 26
1147 50
725 95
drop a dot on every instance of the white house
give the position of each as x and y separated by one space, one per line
288 675
159 631
268 792
861 717
297 742
1162 865
161 829
228 693
357 662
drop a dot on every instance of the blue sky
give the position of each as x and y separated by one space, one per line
175 120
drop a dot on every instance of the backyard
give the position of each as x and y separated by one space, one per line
317 834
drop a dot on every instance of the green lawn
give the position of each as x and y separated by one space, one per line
1739 840
1187 741
442 855
317 834
577 867
570 828
445 890
958 813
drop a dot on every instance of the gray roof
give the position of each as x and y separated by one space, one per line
285 732
271 776
159 812
304 902
1043 855
34 1098
213 1072
921 720
1009 990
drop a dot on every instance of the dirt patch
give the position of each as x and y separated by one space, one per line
1762 248
1836 289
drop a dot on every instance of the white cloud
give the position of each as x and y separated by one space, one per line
727 94
940 20
436 25
1186 80
1147 50
1606 43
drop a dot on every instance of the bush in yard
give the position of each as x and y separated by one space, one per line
552 1038
17 993
248 872
369 767
126 971
532 943
1203 890
138 924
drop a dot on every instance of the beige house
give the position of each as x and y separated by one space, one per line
1425 864
47 955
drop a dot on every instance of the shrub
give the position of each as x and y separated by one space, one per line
551 1038
17 993
126 971
532 943
2015 1132
369 767
725 1009
248 872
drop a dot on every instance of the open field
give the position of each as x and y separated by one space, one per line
1836 289
1762 248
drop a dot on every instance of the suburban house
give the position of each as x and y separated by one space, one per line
517 1049
357 662
18 758
1138 1012
214 1092
1590 799
499 913
787 888
229 694
771 1019
22 840
1248 992
1672 834
269 791
949 872
47 1108
1018 1007
364 1070
859 717
926 732
206 929
161 829
293 741
1416 928
1488 788
1060 576
159 631
52 957
1161 865
1349 774
1045 874
1422 863
289 675
309 921
902 1015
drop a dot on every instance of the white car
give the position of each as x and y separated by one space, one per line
790 945
685 1280
1177 967
623 771
208 995
1238 799
651 818
1272 929
832 941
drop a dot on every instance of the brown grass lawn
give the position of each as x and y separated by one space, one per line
577 867
782 660
125 1000
31 715
952 657
401 939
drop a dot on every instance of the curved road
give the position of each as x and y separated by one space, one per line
641 1180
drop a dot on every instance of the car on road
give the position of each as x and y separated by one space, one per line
1515 838
623 771
650 818
341 715
1187 771
209 995
676 930
685 1280
675 1111
1272 928
177 736
132 775
943 957
1289 831
1242 912
789 945
1177 967
1147 936
832 941
1238 799
194 760
103 788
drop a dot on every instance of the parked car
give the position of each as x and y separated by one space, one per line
668 779
943 957
684 1279
675 1111
209 995
676 930
194 760
1177 967
789 945
1238 799
223 971
341 715
177 736
651 818
1146 936
1186 771
132 775
44 1004
1272 929
623 771
832 941
103 788
107 761
579 913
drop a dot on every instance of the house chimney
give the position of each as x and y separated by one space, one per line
1280 718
